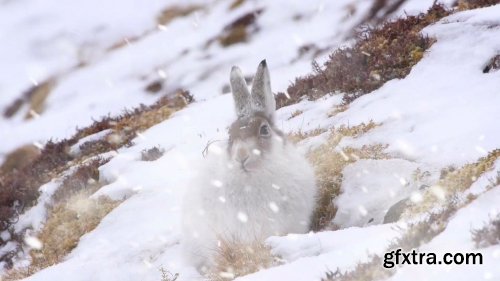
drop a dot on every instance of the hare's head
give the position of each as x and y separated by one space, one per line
253 136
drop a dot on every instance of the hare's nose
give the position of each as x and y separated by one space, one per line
242 154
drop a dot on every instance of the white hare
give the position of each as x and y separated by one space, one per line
259 185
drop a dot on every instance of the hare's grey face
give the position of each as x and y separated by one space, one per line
251 140
252 136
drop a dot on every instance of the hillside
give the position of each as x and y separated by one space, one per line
108 112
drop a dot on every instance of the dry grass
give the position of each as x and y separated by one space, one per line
474 4
413 236
72 215
152 154
155 86
493 64
68 222
19 188
380 11
140 118
488 235
239 30
173 12
295 114
368 271
417 234
37 98
234 259
329 162
300 135
338 109
378 56
84 178
20 158
34 97
236 4
452 183
167 275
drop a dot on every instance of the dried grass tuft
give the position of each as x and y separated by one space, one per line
452 183
234 259
329 161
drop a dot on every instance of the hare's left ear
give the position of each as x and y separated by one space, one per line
262 96
241 95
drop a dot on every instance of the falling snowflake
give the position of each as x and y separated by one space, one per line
362 210
242 217
438 191
274 207
416 197
33 242
216 183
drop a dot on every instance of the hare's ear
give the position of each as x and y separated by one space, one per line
262 96
241 95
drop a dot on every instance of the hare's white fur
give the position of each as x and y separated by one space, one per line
226 202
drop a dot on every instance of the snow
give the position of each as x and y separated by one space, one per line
114 80
418 121
456 238
369 187
75 149
35 217
295 246
310 256
443 113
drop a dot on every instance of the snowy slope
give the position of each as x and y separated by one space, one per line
427 125
113 80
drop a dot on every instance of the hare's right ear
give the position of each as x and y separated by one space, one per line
241 95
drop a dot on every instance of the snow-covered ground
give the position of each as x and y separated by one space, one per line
442 114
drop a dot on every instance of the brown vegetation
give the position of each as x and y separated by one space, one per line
236 4
239 30
298 136
329 162
419 233
368 271
68 222
71 215
488 235
452 183
34 97
152 154
493 64
173 12
234 259
381 10
19 188
413 236
154 87
378 56
474 4
20 158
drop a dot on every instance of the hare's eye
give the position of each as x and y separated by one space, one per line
265 131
